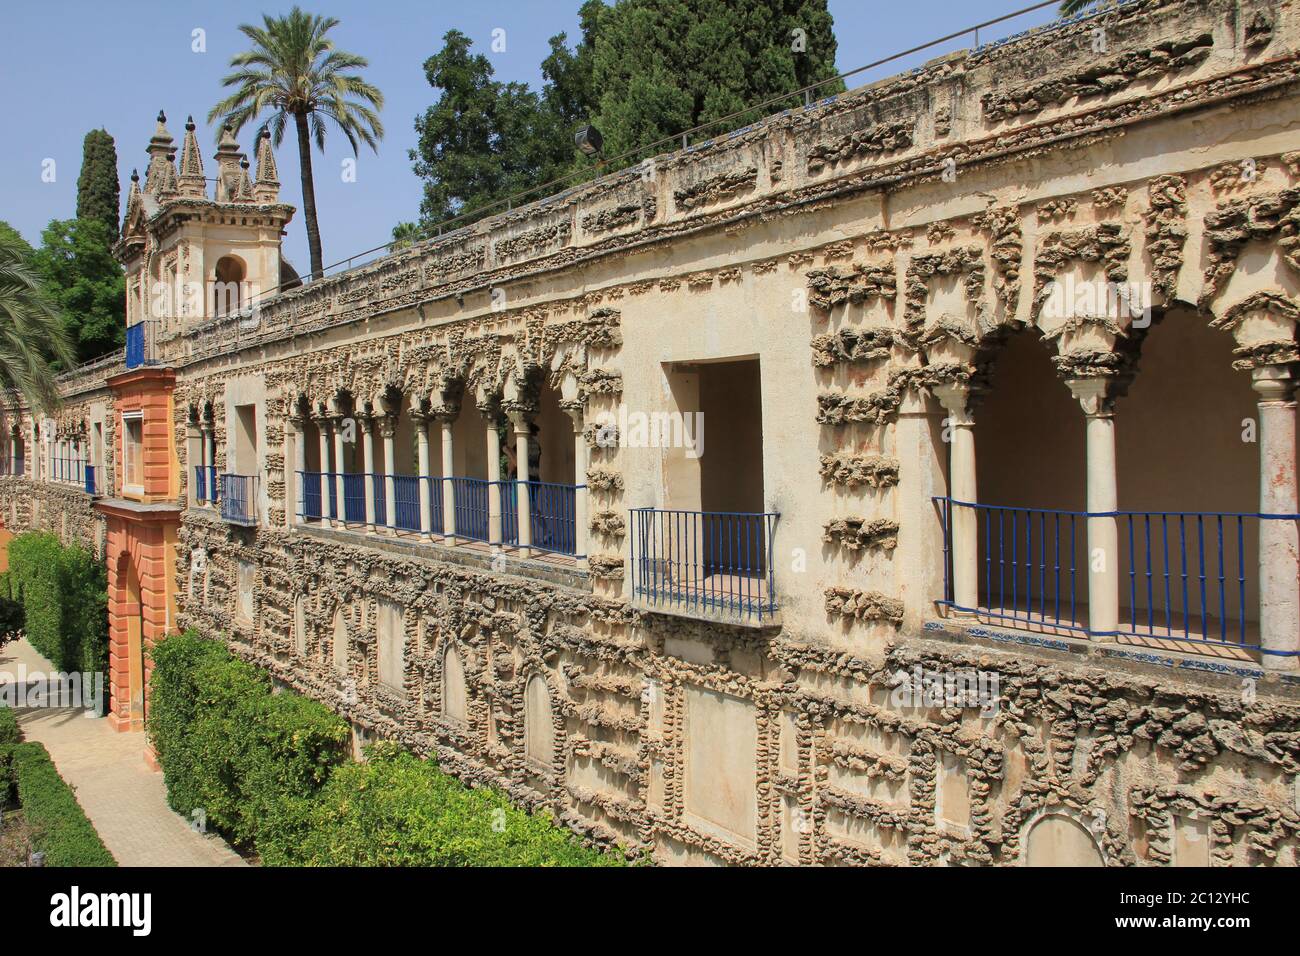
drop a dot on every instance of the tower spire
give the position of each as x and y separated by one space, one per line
267 187
191 172
160 177
227 157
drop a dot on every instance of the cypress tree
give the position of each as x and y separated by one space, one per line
98 193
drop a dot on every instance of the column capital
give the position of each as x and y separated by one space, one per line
520 422
1274 384
956 399
297 422
575 416
1094 395
387 426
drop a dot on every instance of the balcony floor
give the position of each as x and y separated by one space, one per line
1157 638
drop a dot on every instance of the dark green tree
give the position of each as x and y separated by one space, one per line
84 283
663 66
98 193
483 139
1070 7
641 70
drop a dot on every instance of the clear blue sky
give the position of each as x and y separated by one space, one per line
68 66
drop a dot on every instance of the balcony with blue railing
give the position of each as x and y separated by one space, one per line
238 498
1185 580
552 516
141 344
710 565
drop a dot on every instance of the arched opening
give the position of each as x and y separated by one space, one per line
1187 471
228 285
455 693
1056 840
130 621
339 642
470 466
1031 482
539 723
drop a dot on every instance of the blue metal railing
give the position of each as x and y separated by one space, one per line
205 483
509 491
471 498
705 560
92 488
379 493
552 516
239 499
354 498
434 488
1184 576
309 498
406 502
140 344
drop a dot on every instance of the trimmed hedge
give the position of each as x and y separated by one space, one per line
60 828
228 746
64 596
272 772
398 810
8 727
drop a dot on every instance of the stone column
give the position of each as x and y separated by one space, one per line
1103 496
368 483
388 428
494 478
580 494
339 471
963 521
523 507
1279 538
424 480
299 470
323 427
448 486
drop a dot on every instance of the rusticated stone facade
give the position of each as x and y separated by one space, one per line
876 257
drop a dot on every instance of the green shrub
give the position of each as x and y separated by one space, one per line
271 772
63 593
8 727
228 746
59 826
398 810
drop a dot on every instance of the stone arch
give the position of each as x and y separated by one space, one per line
339 641
539 722
300 626
1058 839
455 688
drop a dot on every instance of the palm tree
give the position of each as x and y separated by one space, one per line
31 332
1070 7
294 70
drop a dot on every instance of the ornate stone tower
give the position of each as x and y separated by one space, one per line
190 259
